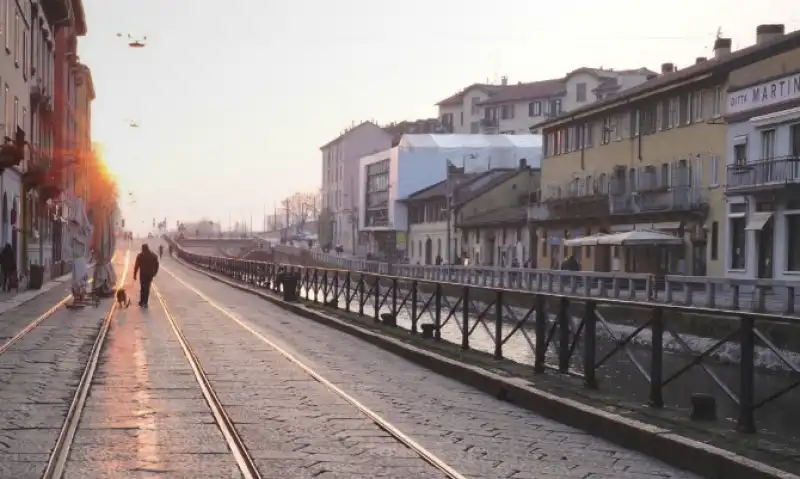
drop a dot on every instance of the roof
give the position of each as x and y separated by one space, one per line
458 97
712 66
348 131
465 141
483 184
438 190
525 91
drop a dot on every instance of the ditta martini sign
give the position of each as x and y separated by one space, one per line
764 94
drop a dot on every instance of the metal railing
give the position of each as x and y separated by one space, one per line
773 171
564 333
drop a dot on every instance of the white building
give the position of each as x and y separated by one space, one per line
420 161
763 179
340 160
513 109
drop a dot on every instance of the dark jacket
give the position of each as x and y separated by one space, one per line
7 260
146 265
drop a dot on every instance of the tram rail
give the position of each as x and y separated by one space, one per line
59 455
235 442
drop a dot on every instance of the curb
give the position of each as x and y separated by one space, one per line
662 444
13 303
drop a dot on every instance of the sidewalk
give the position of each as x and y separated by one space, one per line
12 300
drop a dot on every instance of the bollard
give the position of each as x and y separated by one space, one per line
388 319
427 330
704 407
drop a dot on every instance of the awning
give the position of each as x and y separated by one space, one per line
640 238
758 220
591 240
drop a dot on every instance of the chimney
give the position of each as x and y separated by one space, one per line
504 81
667 67
699 60
722 47
765 33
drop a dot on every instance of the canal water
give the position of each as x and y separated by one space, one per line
618 374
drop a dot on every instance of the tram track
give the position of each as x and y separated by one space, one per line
234 440
59 455
39 320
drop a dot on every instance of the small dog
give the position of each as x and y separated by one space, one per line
122 298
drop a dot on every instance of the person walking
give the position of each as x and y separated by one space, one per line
146 267
8 266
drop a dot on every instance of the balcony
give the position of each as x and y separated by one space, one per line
37 91
36 169
763 175
55 9
585 198
685 198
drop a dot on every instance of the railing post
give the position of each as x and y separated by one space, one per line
347 291
498 325
563 335
437 316
377 305
747 340
465 318
361 299
590 345
414 307
657 358
541 335
394 297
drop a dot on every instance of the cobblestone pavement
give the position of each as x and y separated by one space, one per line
13 320
480 436
145 415
38 376
292 425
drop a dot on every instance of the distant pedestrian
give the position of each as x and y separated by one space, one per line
8 267
146 267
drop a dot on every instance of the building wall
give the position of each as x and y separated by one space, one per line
466 119
702 141
340 162
420 233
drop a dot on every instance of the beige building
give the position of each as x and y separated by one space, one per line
652 158
84 96
511 109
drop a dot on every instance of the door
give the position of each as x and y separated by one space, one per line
428 251
795 146
765 239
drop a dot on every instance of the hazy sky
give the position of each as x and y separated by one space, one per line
236 97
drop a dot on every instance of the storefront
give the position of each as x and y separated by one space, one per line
763 181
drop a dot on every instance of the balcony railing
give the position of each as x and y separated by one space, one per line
764 173
675 198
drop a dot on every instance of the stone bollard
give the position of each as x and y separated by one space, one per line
388 319
427 330
704 407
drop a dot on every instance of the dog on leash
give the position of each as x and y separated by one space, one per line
122 298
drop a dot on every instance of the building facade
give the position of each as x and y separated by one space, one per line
512 109
37 226
762 224
340 188
649 158
66 158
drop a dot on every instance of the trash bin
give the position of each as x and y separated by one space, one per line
289 283
36 279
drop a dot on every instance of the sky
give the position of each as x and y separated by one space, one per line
234 98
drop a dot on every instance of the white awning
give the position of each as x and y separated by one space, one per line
783 116
758 220
591 240
640 238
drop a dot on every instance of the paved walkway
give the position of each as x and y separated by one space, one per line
146 417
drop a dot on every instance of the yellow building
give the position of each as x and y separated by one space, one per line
653 158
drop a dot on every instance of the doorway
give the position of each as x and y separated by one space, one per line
765 239
428 251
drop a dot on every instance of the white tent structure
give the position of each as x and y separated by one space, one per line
479 152
628 238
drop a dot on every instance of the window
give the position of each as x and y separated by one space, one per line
686 109
606 136
587 135
535 108
675 112
635 123
555 107
716 103
660 116
665 174
714 180
738 236
7 17
507 112
474 127
461 118
740 154
714 240
697 106
768 144
793 241
447 119
580 92
619 126
17 36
